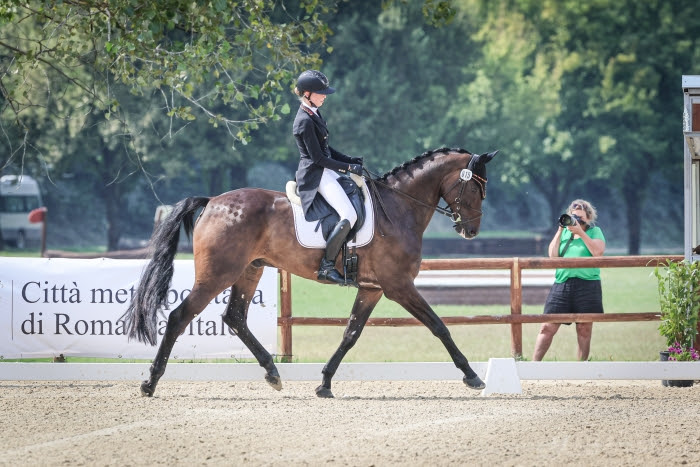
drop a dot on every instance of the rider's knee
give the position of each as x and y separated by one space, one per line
351 216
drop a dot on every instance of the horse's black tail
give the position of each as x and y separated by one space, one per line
141 318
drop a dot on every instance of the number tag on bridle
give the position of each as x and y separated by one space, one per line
465 175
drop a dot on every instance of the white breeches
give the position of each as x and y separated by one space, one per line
332 192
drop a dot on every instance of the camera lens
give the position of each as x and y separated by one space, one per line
566 220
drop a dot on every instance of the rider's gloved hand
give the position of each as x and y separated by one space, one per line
355 169
356 160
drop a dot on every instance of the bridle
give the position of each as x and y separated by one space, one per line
465 176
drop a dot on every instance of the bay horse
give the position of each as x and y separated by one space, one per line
241 231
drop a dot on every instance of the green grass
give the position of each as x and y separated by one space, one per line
625 290
10 252
36 252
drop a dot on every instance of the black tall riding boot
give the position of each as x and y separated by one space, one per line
326 271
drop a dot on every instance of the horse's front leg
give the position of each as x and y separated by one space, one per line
236 317
408 296
365 301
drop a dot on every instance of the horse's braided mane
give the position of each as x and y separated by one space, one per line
416 159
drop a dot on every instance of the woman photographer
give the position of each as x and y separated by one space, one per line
575 290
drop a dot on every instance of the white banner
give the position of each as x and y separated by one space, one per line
72 307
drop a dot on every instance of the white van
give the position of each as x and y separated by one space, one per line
18 196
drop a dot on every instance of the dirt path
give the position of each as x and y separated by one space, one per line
369 423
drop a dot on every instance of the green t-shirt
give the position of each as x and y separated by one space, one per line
578 249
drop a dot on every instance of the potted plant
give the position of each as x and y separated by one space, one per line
679 298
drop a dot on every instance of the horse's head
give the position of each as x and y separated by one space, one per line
464 192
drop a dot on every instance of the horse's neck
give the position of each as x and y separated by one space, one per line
423 183
424 189
415 197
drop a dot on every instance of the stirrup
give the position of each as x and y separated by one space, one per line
338 279
327 272
331 275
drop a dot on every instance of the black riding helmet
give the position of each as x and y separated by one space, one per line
314 81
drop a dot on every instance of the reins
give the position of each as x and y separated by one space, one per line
465 176
373 188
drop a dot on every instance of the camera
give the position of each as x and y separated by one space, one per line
566 220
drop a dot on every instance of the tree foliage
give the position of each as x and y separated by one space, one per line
194 55
68 69
629 89
599 83
195 97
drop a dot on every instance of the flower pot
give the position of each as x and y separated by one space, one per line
673 383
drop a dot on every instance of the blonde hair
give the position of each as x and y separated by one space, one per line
588 207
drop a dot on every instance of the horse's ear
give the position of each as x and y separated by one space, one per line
489 156
479 160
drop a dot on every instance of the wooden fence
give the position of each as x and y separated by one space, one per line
286 321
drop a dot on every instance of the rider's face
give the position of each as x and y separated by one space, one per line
316 99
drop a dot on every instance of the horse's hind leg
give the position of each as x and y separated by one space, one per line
236 317
365 301
178 320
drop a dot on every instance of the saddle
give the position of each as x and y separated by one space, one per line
356 190
362 232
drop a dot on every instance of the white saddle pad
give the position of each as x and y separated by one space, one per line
308 237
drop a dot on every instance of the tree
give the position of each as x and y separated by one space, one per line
251 49
65 64
224 64
510 100
394 75
629 91
614 97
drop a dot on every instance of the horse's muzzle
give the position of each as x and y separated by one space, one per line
467 232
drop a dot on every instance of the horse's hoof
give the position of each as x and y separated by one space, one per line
324 392
146 389
275 381
474 383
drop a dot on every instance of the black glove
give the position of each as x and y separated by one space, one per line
356 160
355 169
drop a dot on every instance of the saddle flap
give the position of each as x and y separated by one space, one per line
310 237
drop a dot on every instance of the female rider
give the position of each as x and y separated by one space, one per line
320 166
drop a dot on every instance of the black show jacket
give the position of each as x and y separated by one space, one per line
311 135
